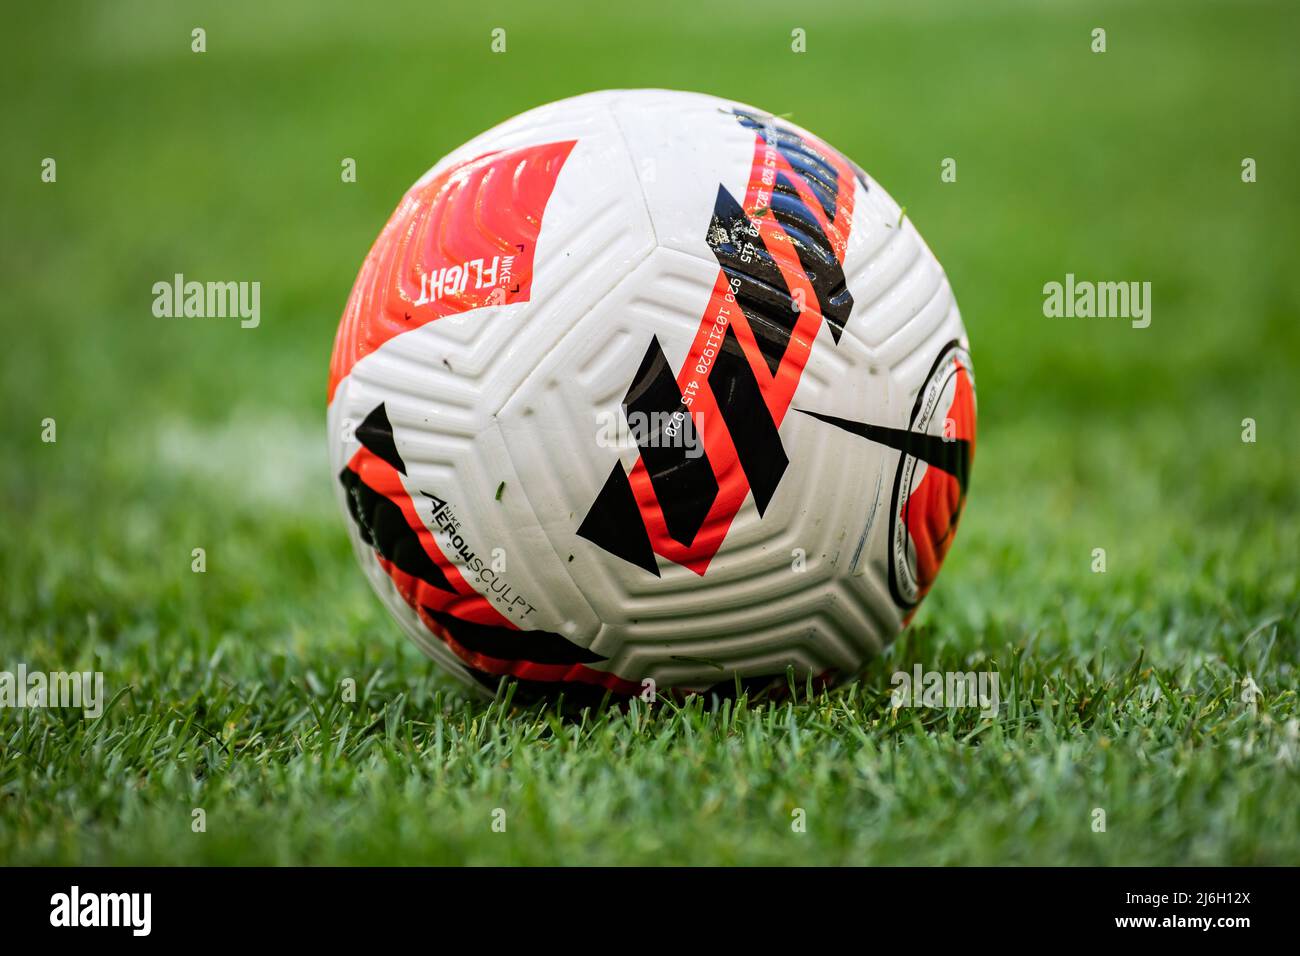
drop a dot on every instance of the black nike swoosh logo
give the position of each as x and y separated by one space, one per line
951 455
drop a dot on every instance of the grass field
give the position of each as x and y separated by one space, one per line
1128 691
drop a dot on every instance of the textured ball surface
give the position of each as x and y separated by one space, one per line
650 386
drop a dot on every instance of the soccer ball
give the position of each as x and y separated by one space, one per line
645 390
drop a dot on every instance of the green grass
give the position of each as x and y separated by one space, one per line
1121 691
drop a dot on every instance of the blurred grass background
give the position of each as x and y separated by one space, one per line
175 434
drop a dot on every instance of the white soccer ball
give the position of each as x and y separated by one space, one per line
645 390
